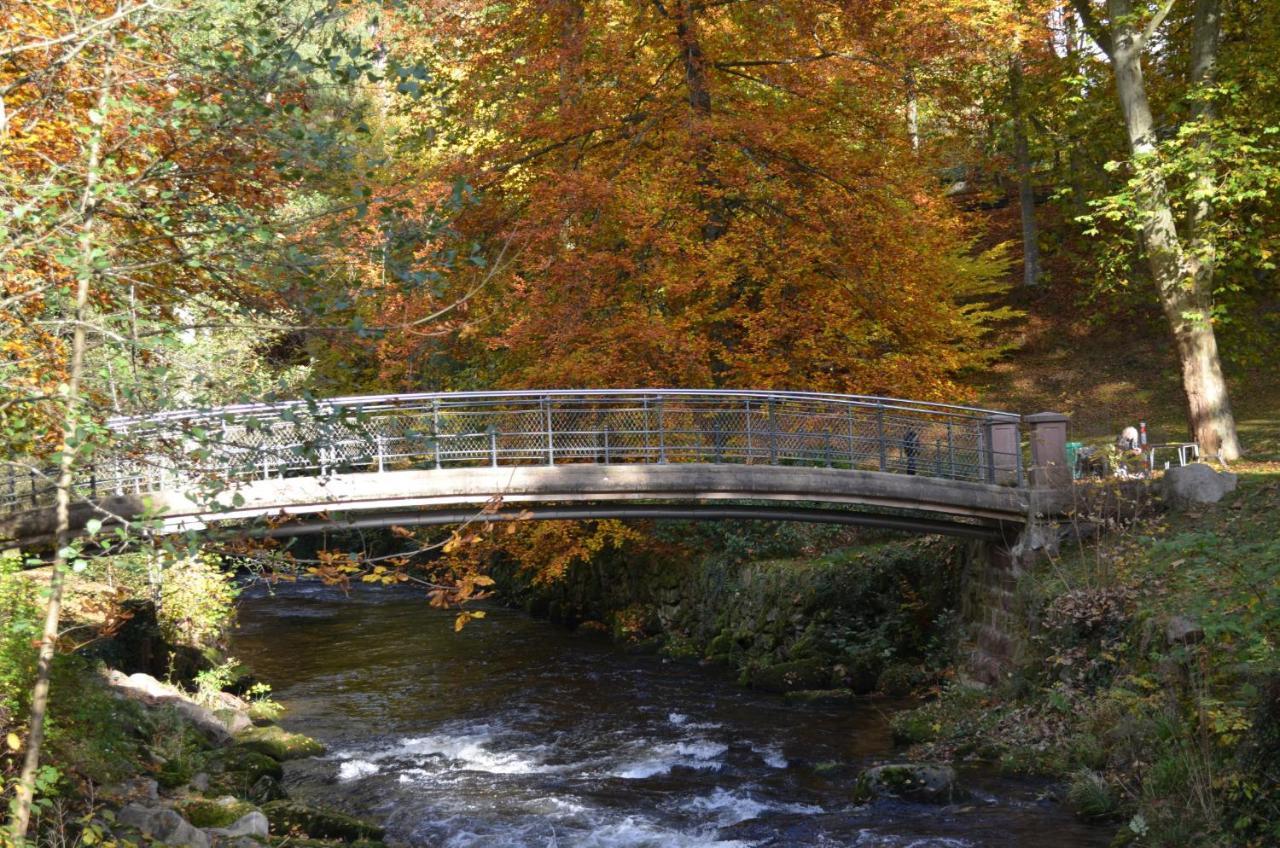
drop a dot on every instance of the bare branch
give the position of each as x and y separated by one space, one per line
1156 21
1097 31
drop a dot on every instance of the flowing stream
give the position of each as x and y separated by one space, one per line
517 733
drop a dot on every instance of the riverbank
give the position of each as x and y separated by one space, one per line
195 759
1151 683
866 615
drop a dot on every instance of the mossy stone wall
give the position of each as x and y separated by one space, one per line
860 618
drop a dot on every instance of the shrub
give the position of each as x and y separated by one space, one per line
197 601
19 628
1091 796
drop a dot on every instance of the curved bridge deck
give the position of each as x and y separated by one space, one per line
434 457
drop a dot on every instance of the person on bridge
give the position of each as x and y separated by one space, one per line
911 449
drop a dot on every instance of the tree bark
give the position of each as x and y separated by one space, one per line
1031 271
1183 278
25 792
699 92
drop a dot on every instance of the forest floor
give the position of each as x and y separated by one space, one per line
1109 375
1107 363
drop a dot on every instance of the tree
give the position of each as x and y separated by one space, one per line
149 152
697 194
1181 261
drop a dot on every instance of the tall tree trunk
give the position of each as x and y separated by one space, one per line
1031 272
25 793
1201 345
699 89
1183 279
572 43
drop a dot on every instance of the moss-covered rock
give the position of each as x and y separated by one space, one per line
236 769
294 817
720 645
791 676
913 727
278 743
302 842
930 783
214 812
897 680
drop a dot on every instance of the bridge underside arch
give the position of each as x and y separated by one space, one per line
657 490
687 511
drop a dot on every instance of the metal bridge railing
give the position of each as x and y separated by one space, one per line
211 448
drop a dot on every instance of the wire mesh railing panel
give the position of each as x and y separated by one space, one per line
200 450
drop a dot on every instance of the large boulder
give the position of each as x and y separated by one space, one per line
253 824
1196 484
147 690
927 782
209 813
276 742
293 817
237 770
162 825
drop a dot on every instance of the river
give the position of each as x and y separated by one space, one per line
517 733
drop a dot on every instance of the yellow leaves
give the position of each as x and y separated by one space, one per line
13 741
464 617
385 576
458 540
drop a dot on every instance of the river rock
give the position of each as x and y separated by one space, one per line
251 824
291 816
1196 484
927 782
791 676
146 689
278 743
134 789
266 788
163 825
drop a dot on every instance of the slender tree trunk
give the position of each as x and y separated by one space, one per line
913 109
1183 279
25 792
1208 401
1031 271
699 89
573 37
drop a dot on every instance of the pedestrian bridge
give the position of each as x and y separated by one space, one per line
311 466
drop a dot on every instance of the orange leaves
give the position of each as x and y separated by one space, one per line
782 233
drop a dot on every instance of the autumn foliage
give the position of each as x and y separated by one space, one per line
691 194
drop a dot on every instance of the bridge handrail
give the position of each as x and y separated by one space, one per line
320 437
408 400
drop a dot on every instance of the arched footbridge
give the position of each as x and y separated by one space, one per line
360 462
